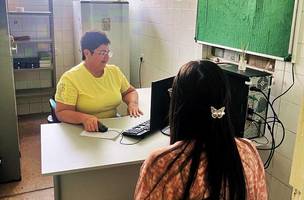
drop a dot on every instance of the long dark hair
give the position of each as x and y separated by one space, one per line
198 86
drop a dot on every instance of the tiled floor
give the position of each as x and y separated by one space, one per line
33 185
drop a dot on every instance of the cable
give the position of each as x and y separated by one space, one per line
122 136
261 142
163 131
272 151
119 133
282 139
271 129
266 97
276 120
293 81
141 59
256 124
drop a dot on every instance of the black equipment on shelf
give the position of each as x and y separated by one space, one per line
26 63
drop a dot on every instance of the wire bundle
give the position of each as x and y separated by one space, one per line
271 122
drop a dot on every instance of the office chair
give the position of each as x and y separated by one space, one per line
52 117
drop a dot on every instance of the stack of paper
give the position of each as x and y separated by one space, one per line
45 59
45 63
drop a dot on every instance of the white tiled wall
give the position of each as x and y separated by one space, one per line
279 190
64 39
33 79
30 105
163 32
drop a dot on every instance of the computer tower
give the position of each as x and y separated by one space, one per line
248 107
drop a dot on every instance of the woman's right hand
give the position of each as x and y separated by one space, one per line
68 113
90 123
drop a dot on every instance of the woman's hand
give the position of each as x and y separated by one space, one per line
133 110
130 97
68 113
90 123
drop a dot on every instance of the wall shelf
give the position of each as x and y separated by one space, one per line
35 92
34 41
30 13
33 69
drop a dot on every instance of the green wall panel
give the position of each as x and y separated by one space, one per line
264 26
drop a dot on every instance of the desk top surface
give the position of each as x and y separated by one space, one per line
63 150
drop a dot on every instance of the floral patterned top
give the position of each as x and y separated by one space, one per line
152 171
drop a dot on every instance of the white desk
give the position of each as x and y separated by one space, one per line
94 168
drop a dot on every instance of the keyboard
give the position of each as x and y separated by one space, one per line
139 130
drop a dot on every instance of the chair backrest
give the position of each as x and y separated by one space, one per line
52 118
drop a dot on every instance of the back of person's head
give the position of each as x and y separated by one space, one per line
92 40
198 86
199 112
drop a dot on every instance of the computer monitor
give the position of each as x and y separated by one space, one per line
160 103
159 110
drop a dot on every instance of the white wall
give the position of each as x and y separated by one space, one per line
164 30
64 36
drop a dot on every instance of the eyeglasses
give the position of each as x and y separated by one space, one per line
104 53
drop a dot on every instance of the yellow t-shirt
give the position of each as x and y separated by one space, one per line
96 96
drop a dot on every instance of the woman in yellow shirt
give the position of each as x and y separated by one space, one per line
93 89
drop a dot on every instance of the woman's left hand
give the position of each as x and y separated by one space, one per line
133 110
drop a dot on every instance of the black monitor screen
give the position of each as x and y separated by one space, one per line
160 103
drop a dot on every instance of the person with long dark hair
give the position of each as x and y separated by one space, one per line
204 160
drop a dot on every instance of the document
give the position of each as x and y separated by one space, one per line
111 134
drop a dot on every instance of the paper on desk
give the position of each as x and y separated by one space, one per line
111 134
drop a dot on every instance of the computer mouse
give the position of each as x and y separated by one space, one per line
102 128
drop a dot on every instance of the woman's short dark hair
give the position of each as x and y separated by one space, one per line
92 40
